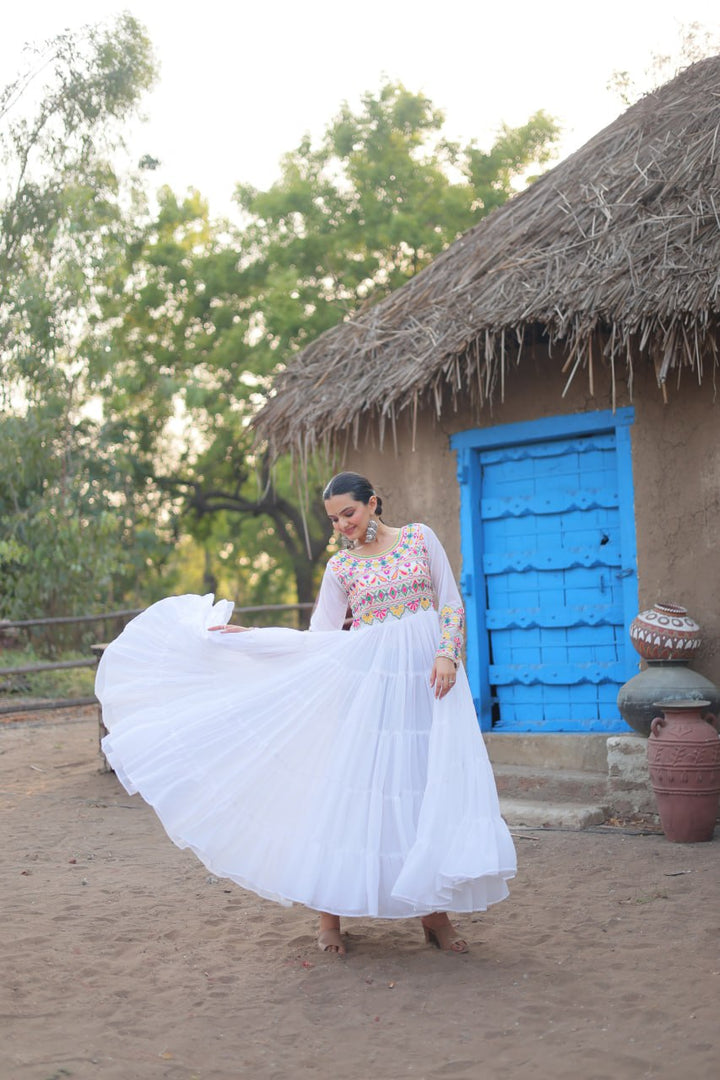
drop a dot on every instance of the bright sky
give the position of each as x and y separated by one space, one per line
241 82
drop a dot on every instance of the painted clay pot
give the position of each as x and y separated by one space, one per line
665 632
663 680
684 763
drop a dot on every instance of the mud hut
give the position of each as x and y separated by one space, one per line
544 395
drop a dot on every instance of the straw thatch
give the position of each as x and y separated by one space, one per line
612 255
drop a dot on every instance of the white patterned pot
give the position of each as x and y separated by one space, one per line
665 632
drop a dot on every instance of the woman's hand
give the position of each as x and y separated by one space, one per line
227 628
442 676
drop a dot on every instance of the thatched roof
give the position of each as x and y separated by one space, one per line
613 254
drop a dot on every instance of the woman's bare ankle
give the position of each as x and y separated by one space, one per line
437 920
329 921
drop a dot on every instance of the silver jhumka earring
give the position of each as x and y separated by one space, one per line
370 535
371 531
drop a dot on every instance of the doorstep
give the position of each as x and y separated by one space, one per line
570 780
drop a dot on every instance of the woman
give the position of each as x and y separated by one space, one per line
342 771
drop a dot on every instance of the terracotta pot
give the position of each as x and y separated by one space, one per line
665 632
663 680
684 763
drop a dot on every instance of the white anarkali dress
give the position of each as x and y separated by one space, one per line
317 766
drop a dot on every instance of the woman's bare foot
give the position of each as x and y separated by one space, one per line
329 937
441 933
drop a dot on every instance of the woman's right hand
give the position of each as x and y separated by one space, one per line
227 628
442 676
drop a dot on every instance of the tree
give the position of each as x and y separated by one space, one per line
61 537
168 359
384 193
198 315
61 198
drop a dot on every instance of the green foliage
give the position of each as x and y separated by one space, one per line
171 359
516 150
374 203
61 201
68 537
66 516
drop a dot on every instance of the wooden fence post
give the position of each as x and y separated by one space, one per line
105 765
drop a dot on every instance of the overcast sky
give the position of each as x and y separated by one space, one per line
240 83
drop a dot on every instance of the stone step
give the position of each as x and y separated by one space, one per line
547 751
536 815
554 785
570 780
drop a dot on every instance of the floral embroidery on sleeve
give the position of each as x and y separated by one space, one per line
452 621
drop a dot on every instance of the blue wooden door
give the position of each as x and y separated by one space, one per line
552 580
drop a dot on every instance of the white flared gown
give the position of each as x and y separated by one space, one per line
315 766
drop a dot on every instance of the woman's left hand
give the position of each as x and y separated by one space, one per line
442 676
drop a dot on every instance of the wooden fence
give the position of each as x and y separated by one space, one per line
67 703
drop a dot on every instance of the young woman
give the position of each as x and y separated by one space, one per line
343 771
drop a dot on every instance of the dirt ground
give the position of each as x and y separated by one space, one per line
123 958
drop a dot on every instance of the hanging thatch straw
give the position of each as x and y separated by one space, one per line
613 254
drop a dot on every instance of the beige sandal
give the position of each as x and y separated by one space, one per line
443 938
331 941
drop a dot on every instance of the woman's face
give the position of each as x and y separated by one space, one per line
349 517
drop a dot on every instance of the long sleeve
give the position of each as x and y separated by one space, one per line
450 605
332 601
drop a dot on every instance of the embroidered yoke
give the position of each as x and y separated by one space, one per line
413 575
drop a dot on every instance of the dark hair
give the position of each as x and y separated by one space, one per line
352 483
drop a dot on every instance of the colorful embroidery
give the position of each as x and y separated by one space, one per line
395 584
452 621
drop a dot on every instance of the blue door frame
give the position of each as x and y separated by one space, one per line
471 447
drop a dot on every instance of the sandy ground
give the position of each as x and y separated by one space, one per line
123 958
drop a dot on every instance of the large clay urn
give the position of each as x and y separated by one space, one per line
684 762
